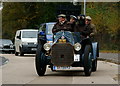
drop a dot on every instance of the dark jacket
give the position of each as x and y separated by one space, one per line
58 27
79 28
73 26
90 28
80 25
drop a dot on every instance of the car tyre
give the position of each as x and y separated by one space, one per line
51 66
40 62
87 61
21 53
94 65
16 53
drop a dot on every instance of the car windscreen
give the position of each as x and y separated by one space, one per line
29 34
49 29
67 34
4 41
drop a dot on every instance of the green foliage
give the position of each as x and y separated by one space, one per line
18 15
105 16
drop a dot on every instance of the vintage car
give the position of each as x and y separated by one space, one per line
64 50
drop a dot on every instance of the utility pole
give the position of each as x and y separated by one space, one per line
1 6
84 7
75 2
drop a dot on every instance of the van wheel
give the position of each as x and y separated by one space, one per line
16 53
21 53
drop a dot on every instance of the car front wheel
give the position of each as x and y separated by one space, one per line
40 62
87 60
16 53
94 65
21 53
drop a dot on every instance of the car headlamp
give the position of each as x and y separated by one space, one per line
35 42
77 46
47 46
11 46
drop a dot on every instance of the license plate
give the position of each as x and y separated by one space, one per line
34 49
76 57
61 68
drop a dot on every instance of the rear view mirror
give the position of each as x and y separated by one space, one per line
42 33
18 37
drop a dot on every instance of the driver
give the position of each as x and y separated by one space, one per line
62 24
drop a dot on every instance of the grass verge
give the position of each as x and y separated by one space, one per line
109 51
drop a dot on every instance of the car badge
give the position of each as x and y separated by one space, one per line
62 37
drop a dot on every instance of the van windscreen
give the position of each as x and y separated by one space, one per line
29 34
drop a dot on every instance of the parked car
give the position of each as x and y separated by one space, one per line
6 46
64 50
25 41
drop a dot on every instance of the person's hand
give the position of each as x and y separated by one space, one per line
87 37
92 34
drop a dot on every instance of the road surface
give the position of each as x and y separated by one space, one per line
21 70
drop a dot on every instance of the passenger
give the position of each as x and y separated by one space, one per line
80 25
72 22
90 29
81 20
62 24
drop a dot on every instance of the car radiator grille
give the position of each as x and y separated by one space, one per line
6 47
62 54
30 43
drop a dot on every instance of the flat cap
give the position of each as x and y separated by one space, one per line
62 15
72 16
88 18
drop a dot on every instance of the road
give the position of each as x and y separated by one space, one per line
112 57
21 70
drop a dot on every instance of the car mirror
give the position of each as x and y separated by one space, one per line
18 37
42 33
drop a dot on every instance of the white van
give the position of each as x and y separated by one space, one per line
25 41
